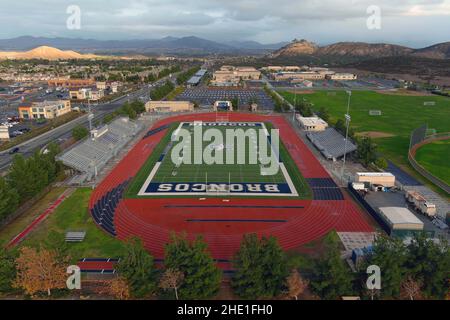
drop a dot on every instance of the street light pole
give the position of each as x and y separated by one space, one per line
347 122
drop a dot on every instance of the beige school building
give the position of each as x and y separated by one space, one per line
169 106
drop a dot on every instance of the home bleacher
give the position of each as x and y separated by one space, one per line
331 143
92 154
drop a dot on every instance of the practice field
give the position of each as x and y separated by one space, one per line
399 116
435 157
243 175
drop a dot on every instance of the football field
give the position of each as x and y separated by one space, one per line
243 162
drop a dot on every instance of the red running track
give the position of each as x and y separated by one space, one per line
37 221
154 219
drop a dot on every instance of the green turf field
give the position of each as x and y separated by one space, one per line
169 172
73 214
391 130
239 173
435 158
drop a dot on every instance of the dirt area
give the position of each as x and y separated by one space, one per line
300 91
438 80
226 292
374 134
404 92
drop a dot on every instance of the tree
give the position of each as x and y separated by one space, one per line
429 263
366 151
7 269
38 168
331 278
248 279
171 279
261 268
108 118
80 132
201 275
390 255
303 107
411 288
39 271
296 284
137 267
30 176
324 114
27 176
340 126
274 263
51 165
381 163
137 106
235 103
9 199
118 287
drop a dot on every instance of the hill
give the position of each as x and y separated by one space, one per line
363 49
360 50
405 65
437 51
47 53
295 48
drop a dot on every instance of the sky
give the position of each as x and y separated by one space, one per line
415 23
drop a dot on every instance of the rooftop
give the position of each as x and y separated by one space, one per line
311 121
375 174
399 215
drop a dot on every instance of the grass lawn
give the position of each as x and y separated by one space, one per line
400 115
435 158
73 214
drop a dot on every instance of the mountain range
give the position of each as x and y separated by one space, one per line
195 45
164 45
360 49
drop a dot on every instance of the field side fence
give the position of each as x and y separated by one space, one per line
418 139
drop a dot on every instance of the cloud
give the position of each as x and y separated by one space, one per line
263 20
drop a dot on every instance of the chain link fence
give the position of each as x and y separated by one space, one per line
419 138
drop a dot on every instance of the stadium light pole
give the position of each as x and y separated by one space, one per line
89 117
347 122
295 105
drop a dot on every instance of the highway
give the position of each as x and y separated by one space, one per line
64 131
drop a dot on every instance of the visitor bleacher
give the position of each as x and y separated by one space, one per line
92 154
104 209
331 143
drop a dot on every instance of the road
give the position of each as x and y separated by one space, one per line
27 148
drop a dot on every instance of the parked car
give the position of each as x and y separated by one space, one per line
14 150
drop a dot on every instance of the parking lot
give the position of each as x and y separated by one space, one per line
361 83
397 199
207 96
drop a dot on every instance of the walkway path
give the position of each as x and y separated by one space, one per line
22 235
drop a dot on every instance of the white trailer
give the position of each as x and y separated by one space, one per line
420 203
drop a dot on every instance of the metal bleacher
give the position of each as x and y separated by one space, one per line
324 189
331 143
104 210
207 96
92 154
